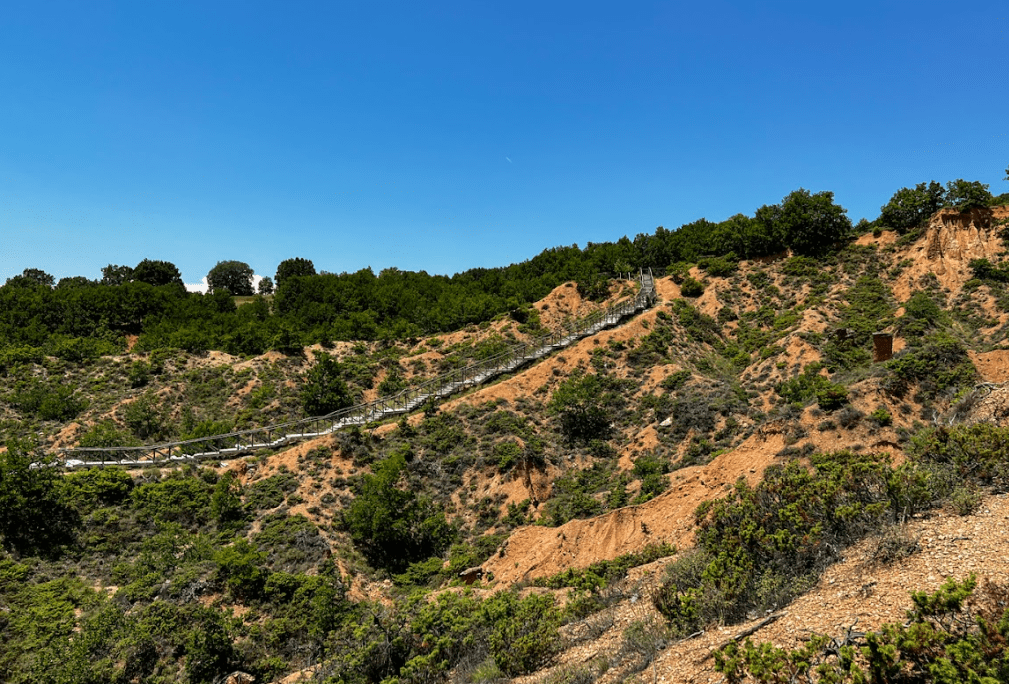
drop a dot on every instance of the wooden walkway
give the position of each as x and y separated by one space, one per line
233 444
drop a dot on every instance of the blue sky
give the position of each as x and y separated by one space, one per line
442 135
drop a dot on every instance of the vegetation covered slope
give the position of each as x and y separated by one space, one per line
339 559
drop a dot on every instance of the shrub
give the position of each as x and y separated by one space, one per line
691 287
145 418
524 633
35 517
759 539
721 266
394 527
239 568
881 417
179 498
810 384
939 364
951 635
53 401
226 502
583 405
96 487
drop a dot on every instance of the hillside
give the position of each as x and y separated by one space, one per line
633 501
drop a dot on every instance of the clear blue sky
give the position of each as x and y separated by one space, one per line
447 135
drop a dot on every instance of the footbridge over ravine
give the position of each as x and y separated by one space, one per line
245 442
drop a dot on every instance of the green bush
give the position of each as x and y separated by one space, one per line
952 635
145 417
910 208
394 527
240 569
809 385
48 401
96 487
178 498
523 635
691 287
721 266
940 363
35 516
583 404
787 528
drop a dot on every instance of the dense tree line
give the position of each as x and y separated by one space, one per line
149 300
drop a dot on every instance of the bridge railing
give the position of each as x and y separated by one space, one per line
281 434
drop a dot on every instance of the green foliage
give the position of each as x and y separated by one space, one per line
179 498
676 381
651 471
97 487
720 266
293 268
605 572
691 287
157 273
31 277
270 492
324 389
811 384
146 418
523 634
48 401
810 224
952 635
910 208
921 316
881 416
265 286
938 365
394 527
233 276
583 405
226 507
983 269
755 544
964 195
239 568
35 517
507 454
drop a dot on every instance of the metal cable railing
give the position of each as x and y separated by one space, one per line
282 434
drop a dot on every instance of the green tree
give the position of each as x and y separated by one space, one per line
324 389
910 208
145 418
810 224
116 275
226 501
393 526
582 404
964 195
233 276
34 516
32 277
157 273
266 285
289 268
